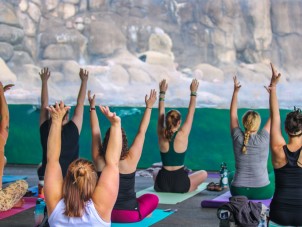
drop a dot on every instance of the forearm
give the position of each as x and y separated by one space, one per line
145 121
161 114
234 107
114 146
96 135
274 107
44 94
54 141
82 93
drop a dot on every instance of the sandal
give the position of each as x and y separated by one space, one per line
211 186
217 187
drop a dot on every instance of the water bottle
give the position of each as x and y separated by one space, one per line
224 175
39 211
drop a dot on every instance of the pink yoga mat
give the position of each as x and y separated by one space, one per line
29 203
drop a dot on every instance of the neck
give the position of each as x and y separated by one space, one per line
295 141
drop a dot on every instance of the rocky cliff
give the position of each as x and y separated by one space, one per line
128 46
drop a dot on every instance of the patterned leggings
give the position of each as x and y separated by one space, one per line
10 195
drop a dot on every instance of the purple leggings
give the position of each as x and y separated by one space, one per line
146 203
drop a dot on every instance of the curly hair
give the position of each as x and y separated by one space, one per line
172 119
251 121
293 123
125 149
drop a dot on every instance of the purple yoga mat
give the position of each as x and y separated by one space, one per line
224 198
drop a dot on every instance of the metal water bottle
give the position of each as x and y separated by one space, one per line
224 175
39 211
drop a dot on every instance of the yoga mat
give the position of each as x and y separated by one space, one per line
172 198
224 198
157 215
9 179
33 190
29 203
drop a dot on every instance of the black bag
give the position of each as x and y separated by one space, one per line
241 211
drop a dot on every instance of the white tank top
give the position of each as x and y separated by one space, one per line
90 218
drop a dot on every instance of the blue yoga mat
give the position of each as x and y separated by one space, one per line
9 178
156 216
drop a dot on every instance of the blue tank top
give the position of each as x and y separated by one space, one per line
172 158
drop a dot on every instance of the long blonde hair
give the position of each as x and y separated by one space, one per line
78 186
251 121
172 119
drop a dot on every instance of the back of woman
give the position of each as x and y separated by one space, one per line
286 205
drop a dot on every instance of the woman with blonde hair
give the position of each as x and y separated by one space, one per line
173 142
81 199
127 208
251 149
286 205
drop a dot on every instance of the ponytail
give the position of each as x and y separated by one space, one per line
172 119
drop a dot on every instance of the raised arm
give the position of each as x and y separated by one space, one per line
233 108
187 125
276 139
53 180
98 160
4 125
44 75
135 150
79 109
163 86
106 191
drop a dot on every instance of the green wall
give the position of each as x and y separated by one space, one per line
209 144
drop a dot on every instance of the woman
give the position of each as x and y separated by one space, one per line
127 208
173 143
286 205
251 149
81 199
11 196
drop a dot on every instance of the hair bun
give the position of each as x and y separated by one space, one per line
81 171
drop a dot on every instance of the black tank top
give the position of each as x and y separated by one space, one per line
288 189
126 199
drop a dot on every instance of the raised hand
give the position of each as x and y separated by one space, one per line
163 86
44 74
151 100
91 99
275 76
237 84
83 74
112 117
7 87
194 86
58 112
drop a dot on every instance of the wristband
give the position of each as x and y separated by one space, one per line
161 99
162 92
193 94
148 108
91 108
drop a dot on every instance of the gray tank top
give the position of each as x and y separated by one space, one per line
251 168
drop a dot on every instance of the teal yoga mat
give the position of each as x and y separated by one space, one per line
156 216
9 179
172 198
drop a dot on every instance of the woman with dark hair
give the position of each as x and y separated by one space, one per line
251 149
127 208
81 199
286 205
173 142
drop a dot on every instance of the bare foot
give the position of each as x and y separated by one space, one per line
19 203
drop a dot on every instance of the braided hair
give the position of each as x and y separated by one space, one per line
251 121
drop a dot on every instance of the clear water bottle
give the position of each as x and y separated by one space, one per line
224 183
39 211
